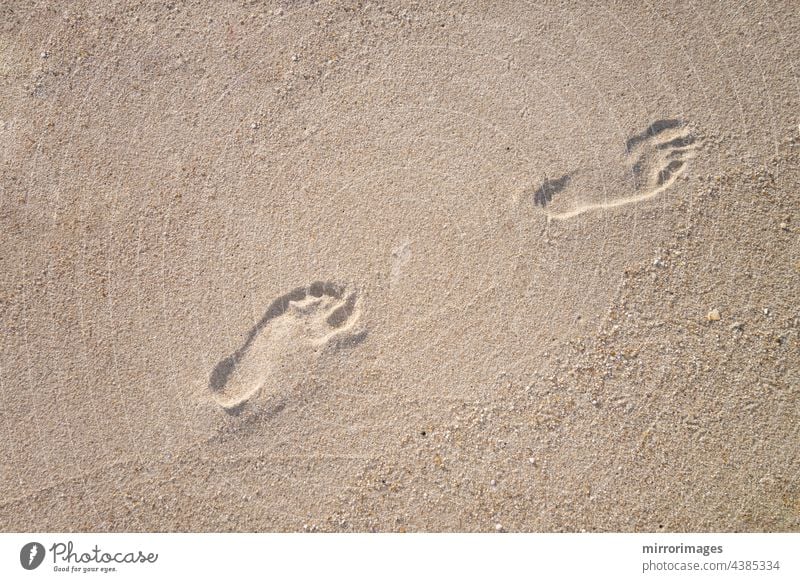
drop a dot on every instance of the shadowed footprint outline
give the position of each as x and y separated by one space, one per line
656 158
322 313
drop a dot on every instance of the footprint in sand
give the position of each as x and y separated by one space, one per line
655 159
295 326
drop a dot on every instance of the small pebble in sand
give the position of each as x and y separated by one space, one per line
784 226
713 315
493 482
498 527
44 55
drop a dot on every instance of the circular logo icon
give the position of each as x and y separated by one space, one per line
31 555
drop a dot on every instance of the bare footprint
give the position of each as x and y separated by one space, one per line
294 327
655 158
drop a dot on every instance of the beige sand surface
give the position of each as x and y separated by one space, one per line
399 266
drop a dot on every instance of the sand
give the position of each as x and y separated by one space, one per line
395 266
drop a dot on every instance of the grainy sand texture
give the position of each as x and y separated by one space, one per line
399 266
